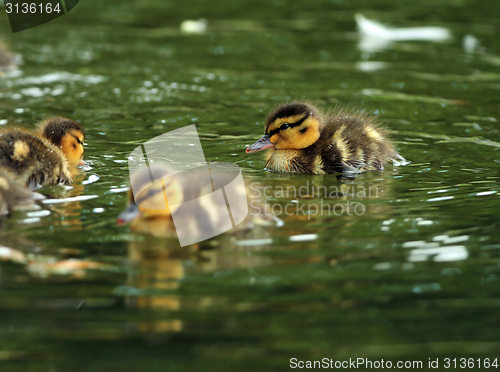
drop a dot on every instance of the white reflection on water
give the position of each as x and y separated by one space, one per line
423 250
375 36
303 237
442 254
60 77
92 178
441 198
69 200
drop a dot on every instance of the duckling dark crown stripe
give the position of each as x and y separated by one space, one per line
274 131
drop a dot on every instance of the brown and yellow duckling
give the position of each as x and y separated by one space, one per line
197 211
66 135
13 194
301 139
47 157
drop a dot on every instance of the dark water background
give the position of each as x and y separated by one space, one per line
415 276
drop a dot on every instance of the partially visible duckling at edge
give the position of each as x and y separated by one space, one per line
48 157
14 195
147 213
301 139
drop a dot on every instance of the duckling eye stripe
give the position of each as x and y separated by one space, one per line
150 194
274 131
77 140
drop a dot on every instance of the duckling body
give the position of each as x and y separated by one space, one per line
49 157
13 193
33 159
189 200
300 139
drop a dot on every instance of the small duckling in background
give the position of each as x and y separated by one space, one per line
13 194
301 139
200 217
48 157
8 60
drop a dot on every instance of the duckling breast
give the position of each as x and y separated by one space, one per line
307 161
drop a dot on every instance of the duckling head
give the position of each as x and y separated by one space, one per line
154 192
68 136
291 126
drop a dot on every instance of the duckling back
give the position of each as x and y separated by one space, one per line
33 159
351 143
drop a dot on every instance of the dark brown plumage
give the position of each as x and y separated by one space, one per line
46 157
34 160
301 139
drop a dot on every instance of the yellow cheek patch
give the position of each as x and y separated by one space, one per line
276 138
72 150
299 137
21 150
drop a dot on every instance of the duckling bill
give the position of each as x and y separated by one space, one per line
301 139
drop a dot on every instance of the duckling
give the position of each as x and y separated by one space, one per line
13 193
48 157
301 139
191 209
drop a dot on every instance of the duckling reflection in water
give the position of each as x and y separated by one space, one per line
301 139
151 212
186 197
47 157
14 195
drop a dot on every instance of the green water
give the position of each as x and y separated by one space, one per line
415 276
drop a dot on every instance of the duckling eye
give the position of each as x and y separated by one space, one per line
284 126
